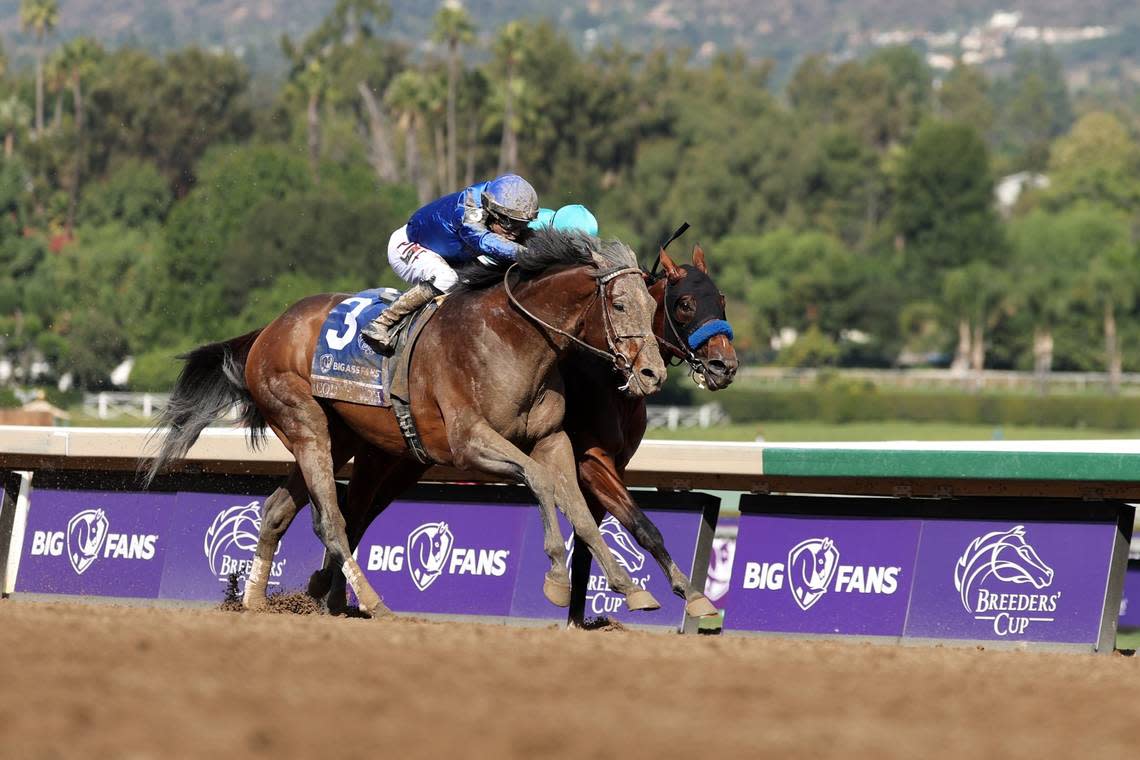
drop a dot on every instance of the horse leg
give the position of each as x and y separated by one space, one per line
305 426
604 489
476 446
557 453
280 509
383 477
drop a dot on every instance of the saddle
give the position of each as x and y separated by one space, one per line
346 368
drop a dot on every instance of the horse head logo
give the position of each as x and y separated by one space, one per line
811 566
326 362
620 543
235 527
720 568
86 532
429 546
1005 555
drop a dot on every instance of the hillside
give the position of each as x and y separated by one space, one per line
784 30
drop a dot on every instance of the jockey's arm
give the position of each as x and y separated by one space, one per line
479 238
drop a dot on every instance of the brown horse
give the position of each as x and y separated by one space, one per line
488 395
605 427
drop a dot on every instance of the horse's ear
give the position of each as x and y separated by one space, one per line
672 271
699 258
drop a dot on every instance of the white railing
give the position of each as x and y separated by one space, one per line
674 417
110 405
990 379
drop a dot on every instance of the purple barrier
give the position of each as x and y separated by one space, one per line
822 575
721 556
446 557
1042 582
212 535
99 543
825 566
686 521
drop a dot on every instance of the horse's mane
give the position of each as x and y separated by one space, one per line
547 248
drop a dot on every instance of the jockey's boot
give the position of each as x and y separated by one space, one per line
379 331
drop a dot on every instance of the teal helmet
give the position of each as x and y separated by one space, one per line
574 217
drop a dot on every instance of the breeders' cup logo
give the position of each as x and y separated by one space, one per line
1005 557
720 567
429 546
620 544
233 532
811 566
326 362
86 532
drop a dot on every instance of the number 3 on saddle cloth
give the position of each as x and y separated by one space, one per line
346 368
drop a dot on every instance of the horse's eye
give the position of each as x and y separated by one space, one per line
619 306
686 305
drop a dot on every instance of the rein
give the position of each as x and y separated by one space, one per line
619 361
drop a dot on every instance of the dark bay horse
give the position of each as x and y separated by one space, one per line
487 395
605 427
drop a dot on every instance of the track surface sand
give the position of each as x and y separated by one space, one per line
98 681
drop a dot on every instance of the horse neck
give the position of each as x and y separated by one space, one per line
561 299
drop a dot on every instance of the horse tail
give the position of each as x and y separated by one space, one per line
211 382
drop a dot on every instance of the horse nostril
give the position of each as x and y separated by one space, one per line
722 368
649 374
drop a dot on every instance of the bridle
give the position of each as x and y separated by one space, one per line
604 278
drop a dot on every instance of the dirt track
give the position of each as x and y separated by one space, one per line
99 681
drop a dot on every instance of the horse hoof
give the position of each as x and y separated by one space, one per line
379 611
556 593
641 600
255 605
700 607
319 584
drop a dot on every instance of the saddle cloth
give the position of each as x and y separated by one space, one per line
345 367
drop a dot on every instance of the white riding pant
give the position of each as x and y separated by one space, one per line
416 264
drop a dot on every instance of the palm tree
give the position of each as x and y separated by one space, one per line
453 27
78 58
55 83
40 17
405 96
14 116
509 51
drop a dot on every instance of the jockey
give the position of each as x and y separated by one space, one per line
483 222
574 217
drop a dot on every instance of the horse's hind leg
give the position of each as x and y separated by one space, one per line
384 477
280 509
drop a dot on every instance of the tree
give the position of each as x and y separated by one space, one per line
14 116
964 97
78 59
943 215
452 26
40 17
405 95
509 52
1098 161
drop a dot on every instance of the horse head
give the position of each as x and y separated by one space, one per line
602 291
690 321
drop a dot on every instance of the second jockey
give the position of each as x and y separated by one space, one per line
482 222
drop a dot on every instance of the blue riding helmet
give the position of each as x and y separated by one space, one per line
512 197
574 217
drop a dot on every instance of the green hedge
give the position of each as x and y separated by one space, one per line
858 403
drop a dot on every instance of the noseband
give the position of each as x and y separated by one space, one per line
604 278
